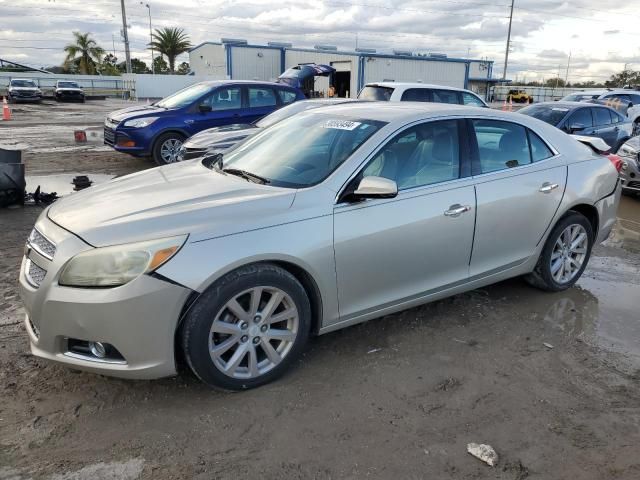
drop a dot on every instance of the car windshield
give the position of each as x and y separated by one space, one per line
375 92
286 112
68 85
301 151
184 97
23 83
546 113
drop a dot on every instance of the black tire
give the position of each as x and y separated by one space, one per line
157 145
541 276
196 328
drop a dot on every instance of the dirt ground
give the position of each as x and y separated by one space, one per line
398 397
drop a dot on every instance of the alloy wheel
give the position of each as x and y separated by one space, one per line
170 150
569 253
253 332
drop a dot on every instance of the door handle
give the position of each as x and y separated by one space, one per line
548 187
188 122
456 210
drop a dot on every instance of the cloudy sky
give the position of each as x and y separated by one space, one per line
601 39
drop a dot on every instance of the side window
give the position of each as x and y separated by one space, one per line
615 118
601 116
261 97
415 95
287 96
635 98
501 145
470 99
539 149
445 96
582 117
421 155
225 99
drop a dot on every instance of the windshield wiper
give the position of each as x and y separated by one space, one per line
248 176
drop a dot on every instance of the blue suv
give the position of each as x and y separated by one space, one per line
159 129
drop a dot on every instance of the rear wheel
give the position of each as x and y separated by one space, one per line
248 328
167 147
565 254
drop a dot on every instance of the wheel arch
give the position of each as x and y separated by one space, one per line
588 211
164 132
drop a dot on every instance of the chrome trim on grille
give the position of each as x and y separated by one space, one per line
35 330
41 244
88 358
34 273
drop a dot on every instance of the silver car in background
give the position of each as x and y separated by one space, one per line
630 172
332 217
221 139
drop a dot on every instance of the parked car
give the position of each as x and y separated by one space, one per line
584 119
582 96
419 92
630 172
221 139
23 90
66 90
159 129
630 100
519 96
329 218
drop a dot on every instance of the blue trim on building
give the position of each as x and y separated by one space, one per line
361 64
283 60
201 44
466 75
227 48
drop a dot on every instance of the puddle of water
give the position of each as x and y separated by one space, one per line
61 183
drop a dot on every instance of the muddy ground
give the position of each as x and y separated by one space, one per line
397 397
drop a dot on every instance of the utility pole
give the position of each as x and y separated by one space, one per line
113 41
566 77
506 53
125 37
153 72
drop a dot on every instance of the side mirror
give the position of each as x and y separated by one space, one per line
204 107
376 187
575 127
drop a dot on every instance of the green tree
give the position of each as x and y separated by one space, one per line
137 66
554 82
85 54
109 65
624 78
183 68
170 42
160 65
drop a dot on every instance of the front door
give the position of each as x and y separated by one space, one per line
225 105
519 186
388 251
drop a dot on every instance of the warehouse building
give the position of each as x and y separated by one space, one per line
237 59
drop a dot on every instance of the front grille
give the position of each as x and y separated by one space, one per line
109 136
34 329
633 184
35 274
24 94
41 244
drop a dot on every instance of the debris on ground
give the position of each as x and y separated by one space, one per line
40 197
548 345
81 182
374 350
448 384
483 452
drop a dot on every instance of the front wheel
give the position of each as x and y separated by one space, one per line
565 254
248 328
167 147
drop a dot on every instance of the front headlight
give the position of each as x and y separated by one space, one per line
39 91
140 122
627 151
119 264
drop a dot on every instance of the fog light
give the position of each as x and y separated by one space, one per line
126 143
98 349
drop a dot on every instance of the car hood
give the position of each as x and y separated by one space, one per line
135 112
68 89
183 198
24 89
212 136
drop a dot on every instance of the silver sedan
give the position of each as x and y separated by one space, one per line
329 218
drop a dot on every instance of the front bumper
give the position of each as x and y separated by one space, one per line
138 319
134 142
17 97
630 174
70 96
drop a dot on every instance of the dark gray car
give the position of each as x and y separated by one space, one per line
584 119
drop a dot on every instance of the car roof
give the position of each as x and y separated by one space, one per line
413 85
568 105
215 83
587 92
407 111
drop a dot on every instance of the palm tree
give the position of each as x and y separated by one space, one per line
85 53
170 42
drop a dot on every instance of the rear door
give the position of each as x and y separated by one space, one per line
519 185
603 127
261 101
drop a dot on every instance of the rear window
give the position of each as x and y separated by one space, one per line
374 92
546 113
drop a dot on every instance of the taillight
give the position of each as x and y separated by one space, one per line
616 160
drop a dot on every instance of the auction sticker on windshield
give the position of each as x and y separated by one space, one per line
341 124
